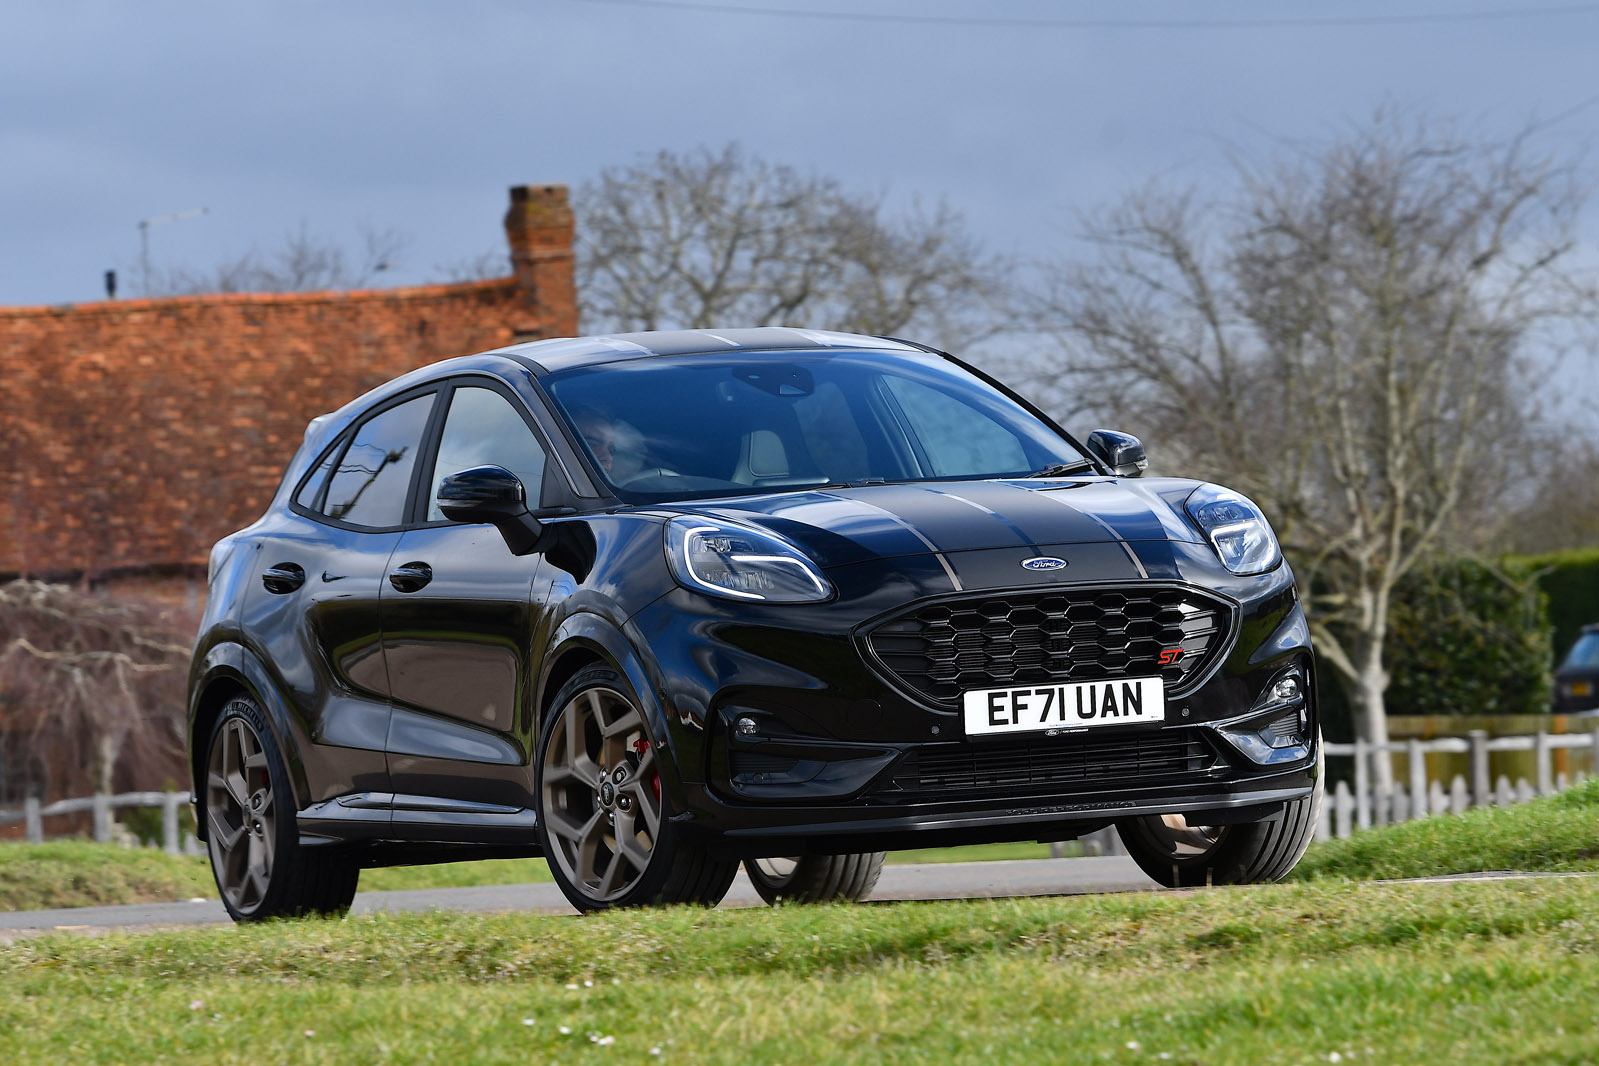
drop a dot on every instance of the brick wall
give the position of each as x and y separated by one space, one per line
137 432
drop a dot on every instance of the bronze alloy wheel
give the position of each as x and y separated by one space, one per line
241 815
604 819
262 870
601 794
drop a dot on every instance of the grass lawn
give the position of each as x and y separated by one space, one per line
1559 833
1556 833
1503 972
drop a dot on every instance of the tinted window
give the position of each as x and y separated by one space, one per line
313 484
483 428
374 474
704 425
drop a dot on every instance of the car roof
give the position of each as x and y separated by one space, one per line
568 352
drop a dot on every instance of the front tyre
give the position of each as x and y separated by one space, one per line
261 869
603 820
816 878
1179 855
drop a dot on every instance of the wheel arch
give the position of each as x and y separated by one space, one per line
228 670
587 639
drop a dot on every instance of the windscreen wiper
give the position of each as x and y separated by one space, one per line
1062 469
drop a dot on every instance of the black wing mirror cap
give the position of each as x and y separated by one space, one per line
495 495
1122 453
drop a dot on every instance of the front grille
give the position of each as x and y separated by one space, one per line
1079 634
1056 766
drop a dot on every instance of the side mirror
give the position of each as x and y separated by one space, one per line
495 495
1123 453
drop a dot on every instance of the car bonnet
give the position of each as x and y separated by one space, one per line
843 526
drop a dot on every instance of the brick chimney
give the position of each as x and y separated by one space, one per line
539 229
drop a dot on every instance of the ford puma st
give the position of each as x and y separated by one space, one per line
654 605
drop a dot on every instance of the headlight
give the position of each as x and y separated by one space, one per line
740 563
1236 529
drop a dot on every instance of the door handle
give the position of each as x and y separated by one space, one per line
283 578
410 577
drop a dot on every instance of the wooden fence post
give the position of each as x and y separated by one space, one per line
33 820
1343 807
1363 785
1418 780
102 818
1481 788
1540 751
169 822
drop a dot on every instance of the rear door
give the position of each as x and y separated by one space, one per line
314 603
461 617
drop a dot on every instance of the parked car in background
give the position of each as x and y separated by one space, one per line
1577 678
654 605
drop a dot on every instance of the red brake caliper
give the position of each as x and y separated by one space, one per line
641 746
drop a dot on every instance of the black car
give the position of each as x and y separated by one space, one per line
652 605
1577 679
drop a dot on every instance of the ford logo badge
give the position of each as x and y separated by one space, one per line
1044 562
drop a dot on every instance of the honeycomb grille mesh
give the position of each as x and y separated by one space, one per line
1053 767
1082 634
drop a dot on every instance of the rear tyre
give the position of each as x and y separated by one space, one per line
816 878
261 869
1179 855
603 820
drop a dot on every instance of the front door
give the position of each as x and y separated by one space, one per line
460 615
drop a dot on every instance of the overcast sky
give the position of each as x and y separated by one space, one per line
418 115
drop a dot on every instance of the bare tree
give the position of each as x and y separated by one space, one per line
716 239
1343 339
91 691
303 263
1563 511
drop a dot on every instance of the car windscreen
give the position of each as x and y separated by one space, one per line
715 425
1584 654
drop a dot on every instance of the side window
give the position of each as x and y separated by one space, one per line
484 428
313 484
369 485
959 440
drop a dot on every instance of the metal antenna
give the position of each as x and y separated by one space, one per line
144 239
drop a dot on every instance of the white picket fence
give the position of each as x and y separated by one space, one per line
32 814
1416 795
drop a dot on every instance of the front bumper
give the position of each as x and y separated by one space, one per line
742 833
834 754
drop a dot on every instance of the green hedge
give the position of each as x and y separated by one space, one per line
1466 637
1571 581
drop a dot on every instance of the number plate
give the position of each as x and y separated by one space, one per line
1047 708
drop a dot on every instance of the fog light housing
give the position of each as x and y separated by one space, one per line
1277 728
746 727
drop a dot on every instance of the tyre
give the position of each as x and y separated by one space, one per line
816 878
603 820
261 869
1179 855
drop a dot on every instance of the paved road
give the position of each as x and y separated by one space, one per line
963 880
